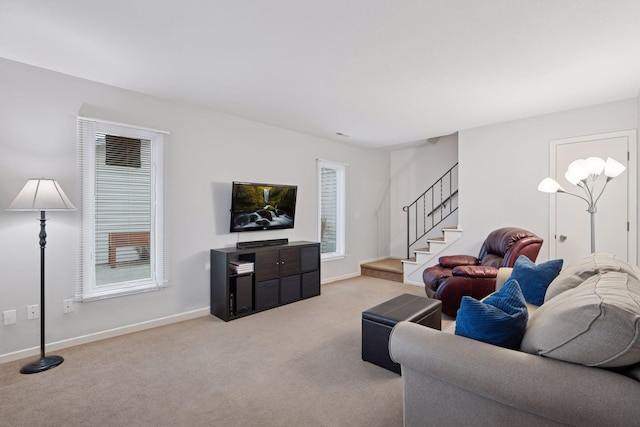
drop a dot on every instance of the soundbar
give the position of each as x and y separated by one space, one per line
261 243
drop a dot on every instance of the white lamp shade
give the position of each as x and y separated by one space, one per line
579 169
549 185
41 195
571 177
613 168
595 165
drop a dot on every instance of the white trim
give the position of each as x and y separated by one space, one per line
110 123
338 278
332 257
110 333
331 161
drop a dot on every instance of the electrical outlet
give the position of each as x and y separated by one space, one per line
33 312
9 317
67 306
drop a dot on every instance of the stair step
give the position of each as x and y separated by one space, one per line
388 269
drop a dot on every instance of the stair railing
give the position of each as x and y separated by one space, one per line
432 207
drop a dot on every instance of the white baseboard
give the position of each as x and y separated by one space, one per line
343 277
412 282
84 339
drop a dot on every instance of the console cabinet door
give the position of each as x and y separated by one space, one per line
289 289
310 258
289 261
310 284
267 294
267 265
277 263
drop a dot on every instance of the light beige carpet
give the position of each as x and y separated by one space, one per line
296 365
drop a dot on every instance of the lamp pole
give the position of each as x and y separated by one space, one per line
592 212
47 362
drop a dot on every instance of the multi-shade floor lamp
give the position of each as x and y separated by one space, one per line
41 195
585 173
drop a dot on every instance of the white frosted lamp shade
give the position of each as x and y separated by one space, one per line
549 185
595 165
571 177
41 195
613 168
579 169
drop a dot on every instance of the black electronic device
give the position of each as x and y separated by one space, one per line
261 243
257 206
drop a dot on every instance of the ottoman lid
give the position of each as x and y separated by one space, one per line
404 307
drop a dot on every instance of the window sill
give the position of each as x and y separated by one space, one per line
332 258
119 292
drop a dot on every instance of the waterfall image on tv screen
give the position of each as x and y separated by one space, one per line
262 206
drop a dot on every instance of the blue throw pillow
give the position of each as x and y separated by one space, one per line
535 279
500 319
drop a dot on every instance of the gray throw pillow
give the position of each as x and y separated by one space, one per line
596 323
576 273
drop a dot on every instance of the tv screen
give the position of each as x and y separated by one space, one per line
262 206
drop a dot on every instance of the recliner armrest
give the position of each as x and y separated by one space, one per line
476 271
451 261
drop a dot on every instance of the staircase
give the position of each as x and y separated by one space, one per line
410 270
424 214
413 267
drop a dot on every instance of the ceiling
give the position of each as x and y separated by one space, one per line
381 72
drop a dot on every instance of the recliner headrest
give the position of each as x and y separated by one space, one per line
499 241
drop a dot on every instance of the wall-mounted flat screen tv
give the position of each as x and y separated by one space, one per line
262 206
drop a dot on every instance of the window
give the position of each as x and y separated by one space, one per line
331 179
122 243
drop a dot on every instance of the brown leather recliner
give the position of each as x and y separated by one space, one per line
458 275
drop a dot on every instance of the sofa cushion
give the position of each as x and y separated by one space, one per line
499 319
591 265
535 279
632 371
596 323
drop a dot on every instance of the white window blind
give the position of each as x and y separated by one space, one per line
122 244
331 191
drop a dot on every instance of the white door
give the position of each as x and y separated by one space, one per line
615 219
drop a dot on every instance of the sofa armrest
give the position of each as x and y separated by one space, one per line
503 275
492 380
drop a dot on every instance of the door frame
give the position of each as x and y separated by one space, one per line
632 191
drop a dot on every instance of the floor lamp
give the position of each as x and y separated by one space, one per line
41 195
584 173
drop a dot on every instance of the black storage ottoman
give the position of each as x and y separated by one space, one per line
378 321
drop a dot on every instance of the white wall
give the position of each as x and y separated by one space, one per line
414 170
501 166
205 152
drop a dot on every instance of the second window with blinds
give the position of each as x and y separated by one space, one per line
331 190
122 239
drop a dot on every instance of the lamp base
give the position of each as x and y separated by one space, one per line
41 364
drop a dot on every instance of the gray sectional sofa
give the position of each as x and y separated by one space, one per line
580 366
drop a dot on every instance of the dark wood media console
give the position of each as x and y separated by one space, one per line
281 274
